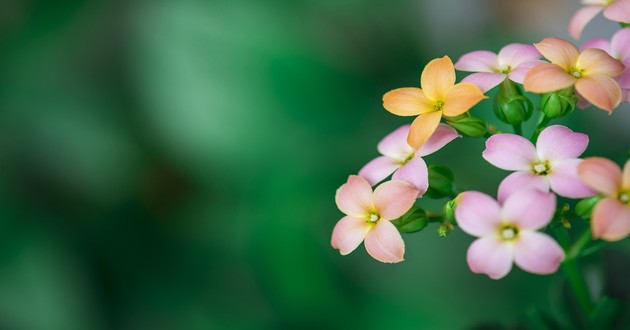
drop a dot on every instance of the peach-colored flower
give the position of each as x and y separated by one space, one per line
591 72
439 96
610 219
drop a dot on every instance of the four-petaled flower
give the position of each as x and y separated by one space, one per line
513 62
591 72
368 216
439 96
614 10
610 219
404 161
508 232
551 164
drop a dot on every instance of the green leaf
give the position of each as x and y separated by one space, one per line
413 221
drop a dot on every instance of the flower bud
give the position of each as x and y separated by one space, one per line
469 125
449 210
510 105
412 221
558 104
440 181
445 228
584 208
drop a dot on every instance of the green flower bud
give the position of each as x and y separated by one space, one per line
470 125
449 210
510 105
412 221
445 228
584 208
558 104
440 181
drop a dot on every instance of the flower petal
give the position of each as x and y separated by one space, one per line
415 172
537 253
485 80
581 18
601 174
394 144
477 214
437 78
393 198
597 61
558 51
354 197
514 55
625 182
547 77
530 209
407 101
565 181
348 233
521 180
602 91
460 98
489 255
610 220
441 137
478 61
384 243
422 128
519 73
618 11
599 43
620 44
378 169
559 142
510 152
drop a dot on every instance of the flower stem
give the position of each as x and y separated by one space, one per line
518 129
543 120
578 284
576 249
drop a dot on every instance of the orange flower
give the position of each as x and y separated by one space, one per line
591 72
439 96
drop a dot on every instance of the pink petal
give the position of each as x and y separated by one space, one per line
610 220
564 180
601 174
620 44
348 233
489 255
582 17
559 142
510 152
537 253
477 214
597 61
415 172
485 80
378 169
354 197
514 55
521 180
547 77
519 73
618 11
394 145
626 175
602 91
384 243
530 209
558 51
477 61
441 137
599 43
624 78
393 198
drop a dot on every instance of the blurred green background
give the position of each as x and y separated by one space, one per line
173 164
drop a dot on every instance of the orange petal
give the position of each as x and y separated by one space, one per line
460 98
597 61
558 51
547 77
407 102
437 77
602 91
422 128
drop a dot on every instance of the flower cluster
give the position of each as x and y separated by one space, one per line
550 185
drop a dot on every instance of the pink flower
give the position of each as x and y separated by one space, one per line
614 10
551 164
509 233
513 61
368 216
610 219
619 48
404 161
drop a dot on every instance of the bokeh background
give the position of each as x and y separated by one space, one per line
173 164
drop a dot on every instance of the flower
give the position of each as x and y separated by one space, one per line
551 164
619 48
368 216
404 161
614 10
513 61
439 96
508 232
610 219
590 71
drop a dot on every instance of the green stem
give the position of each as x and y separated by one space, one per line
434 217
576 249
518 129
543 120
578 284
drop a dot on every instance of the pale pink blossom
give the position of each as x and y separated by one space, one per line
368 216
551 164
610 219
513 62
404 161
508 232
614 10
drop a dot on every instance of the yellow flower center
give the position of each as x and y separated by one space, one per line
508 232
438 105
408 158
374 217
503 68
624 197
576 73
541 168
